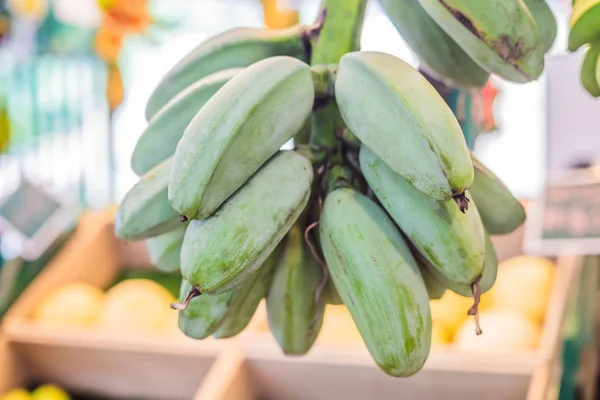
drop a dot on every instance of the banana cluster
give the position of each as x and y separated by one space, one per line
584 31
380 205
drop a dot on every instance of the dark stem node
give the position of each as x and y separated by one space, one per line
462 201
195 292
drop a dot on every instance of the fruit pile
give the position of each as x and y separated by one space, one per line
131 306
379 205
42 392
584 31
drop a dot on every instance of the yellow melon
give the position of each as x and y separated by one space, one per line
70 305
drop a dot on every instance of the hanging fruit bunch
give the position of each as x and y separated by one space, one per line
379 205
120 18
584 31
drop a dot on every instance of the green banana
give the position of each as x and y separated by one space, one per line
242 308
545 21
590 70
331 294
413 131
221 250
164 250
453 242
499 210
145 211
235 48
584 27
501 36
159 140
294 316
439 54
238 130
488 277
435 289
201 315
378 280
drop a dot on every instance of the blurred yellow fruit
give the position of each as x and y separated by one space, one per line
440 335
73 304
49 392
503 330
339 325
16 394
451 310
524 284
137 306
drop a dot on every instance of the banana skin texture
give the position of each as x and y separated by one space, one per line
243 306
590 70
501 36
413 131
220 251
500 211
378 280
438 53
545 21
291 302
159 140
239 129
145 211
235 48
452 241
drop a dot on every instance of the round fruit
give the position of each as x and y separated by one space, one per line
137 306
503 330
524 284
73 304
49 392
16 394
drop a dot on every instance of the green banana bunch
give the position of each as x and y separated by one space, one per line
435 289
590 70
501 36
235 48
499 210
164 250
145 210
439 54
378 280
159 141
222 250
545 21
238 130
295 317
413 131
584 25
453 242
243 306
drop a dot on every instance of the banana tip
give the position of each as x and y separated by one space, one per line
462 201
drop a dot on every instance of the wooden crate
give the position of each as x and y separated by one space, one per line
250 366
121 366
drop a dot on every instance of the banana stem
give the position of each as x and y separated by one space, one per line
324 80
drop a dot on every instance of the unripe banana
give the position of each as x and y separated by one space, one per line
545 21
583 24
237 131
590 70
294 316
488 277
159 140
164 250
223 249
440 54
501 36
235 48
499 210
435 289
202 314
413 130
453 242
243 306
378 280
331 294
145 210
